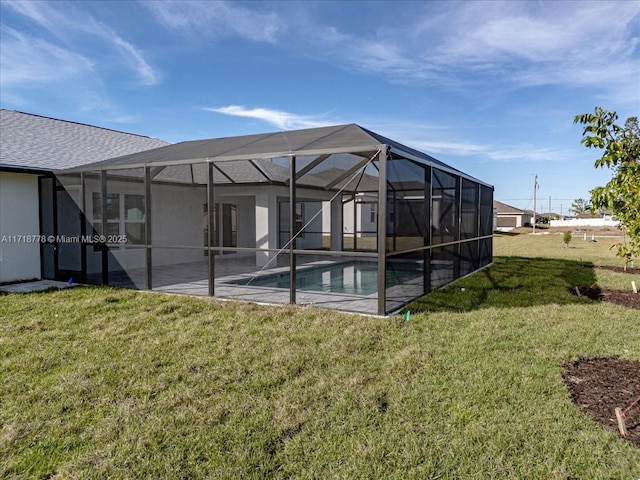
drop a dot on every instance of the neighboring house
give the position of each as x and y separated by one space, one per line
32 148
510 217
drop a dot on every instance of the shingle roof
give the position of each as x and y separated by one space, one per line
503 208
33 142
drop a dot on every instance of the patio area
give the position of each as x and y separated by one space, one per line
234 275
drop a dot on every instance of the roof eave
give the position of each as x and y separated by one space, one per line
28 170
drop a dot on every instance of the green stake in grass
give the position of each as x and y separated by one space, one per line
407 314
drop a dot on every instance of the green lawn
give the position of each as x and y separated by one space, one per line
107 383
550 245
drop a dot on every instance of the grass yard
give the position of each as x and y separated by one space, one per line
550 245
108 383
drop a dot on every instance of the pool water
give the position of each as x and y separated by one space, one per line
355 278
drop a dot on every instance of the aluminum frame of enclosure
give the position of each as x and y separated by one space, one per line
282 217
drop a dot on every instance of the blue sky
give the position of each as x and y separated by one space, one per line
490 88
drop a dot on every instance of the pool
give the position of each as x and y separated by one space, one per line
354 278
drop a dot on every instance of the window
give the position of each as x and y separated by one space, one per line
125 216
134 219
299 221
225 225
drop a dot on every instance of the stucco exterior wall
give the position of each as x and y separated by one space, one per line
19 227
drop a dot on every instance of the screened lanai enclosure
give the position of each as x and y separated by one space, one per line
338 217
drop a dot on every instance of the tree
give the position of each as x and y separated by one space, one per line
621 196
566 238
579 206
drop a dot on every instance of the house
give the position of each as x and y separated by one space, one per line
32 149
510 217
336 216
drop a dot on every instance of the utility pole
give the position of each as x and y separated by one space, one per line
549 206
535 190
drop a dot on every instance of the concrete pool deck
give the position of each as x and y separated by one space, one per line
35 286
192 279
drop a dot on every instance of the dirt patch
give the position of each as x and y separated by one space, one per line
599 385
619 297
630 270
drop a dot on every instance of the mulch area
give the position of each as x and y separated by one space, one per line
626 298
619 297
630 270
599 385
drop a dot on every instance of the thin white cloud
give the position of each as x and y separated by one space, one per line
66 22
134 58
280 119
451 148
562 43
381 56
422 138
528 153
47 63
489 45
59 72
513 153
216 19
548 31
